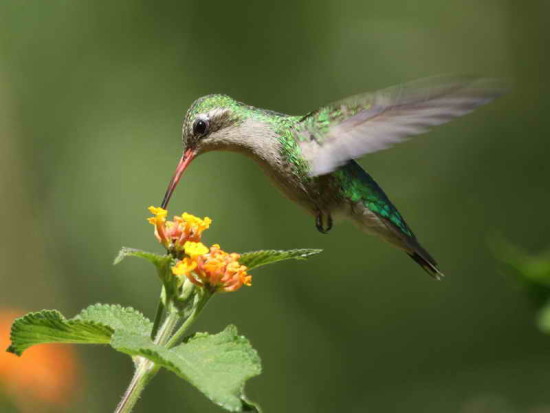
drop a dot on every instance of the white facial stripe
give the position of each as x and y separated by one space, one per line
217 113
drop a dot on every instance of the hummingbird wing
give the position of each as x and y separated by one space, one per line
362 124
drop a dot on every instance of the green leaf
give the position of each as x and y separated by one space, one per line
155 259
94 325
218 365
531 270
534 268
162 263
117 318
249 405
257 259
49 326
543 319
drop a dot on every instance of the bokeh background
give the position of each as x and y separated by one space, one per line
92 95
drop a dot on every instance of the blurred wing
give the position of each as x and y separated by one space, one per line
367 123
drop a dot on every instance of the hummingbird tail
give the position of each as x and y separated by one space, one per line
374 213
422 258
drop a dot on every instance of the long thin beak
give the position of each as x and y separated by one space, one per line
184 162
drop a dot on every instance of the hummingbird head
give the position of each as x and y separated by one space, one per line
213 122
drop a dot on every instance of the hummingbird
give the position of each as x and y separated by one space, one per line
311 158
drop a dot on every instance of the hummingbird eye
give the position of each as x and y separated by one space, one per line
200 127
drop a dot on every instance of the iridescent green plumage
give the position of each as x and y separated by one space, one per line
354 183
358 186
311 158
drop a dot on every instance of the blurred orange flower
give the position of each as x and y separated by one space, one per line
45 378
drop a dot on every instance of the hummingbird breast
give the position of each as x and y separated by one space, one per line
270 142
289 171
313 194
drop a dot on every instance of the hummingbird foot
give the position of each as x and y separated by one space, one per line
320 224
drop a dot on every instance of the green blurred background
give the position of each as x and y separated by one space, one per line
92 95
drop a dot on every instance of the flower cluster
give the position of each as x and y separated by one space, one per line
214 268
210 268
174 234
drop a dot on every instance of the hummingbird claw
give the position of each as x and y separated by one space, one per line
320 225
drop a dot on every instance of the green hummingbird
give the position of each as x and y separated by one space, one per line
311 158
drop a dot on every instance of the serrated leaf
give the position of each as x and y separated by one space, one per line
49 326
255 259
218 365
155 259
117 318
161 262
94 325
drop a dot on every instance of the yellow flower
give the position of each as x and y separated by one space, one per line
158 212
174 234
210 268
214 269
198 224
184 267
194 248
159 221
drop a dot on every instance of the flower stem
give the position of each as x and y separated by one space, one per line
146 369
158 319
203 299
144 372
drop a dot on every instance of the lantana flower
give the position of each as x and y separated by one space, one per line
205 267
216 270
174 234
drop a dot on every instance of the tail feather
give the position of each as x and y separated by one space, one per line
429 265
412 247
372 210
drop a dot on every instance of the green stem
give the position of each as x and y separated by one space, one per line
158 319
167 327
201 303
143 374
146 369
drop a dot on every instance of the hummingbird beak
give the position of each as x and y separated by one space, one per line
184 162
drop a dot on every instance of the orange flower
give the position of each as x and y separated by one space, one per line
174 234
44 375
216 270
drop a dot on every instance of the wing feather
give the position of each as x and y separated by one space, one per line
369 123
